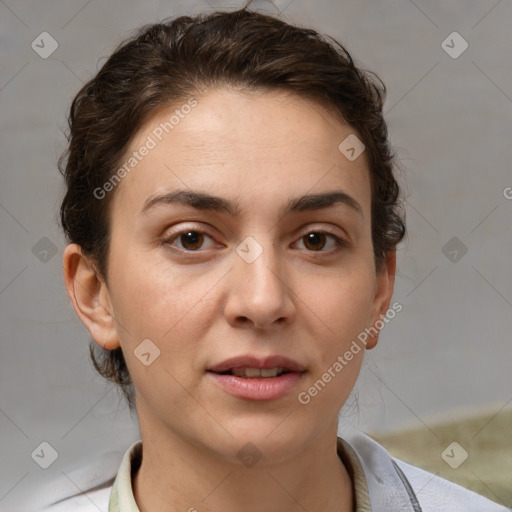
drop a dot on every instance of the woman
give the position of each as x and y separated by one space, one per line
233 218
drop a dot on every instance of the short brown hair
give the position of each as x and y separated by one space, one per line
167 62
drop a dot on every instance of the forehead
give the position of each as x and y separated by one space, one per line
229 139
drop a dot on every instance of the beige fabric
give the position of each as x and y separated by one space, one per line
355 470
122 500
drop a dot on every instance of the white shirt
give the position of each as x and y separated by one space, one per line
381 483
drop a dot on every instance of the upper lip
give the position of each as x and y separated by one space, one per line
248 361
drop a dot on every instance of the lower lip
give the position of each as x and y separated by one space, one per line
270 388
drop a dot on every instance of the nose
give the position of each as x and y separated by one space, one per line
260 293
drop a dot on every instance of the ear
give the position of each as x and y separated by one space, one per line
383 293
90 297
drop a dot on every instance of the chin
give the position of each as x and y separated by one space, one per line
269 440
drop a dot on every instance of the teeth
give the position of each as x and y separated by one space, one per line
251 373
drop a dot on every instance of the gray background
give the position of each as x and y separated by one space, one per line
447 354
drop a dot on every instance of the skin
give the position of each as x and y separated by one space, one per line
304 299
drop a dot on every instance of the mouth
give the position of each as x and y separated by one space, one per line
255 373
251 378
250 366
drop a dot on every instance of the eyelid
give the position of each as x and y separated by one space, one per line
340 241
314 227
173 236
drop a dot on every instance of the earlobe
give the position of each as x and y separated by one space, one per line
382 299
90 297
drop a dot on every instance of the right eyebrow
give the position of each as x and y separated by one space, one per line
199 200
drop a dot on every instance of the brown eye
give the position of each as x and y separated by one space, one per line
191 240
317 240
188 240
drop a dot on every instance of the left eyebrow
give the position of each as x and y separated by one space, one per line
203 201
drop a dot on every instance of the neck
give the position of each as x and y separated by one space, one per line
176 475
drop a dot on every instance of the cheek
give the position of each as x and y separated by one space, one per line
170 309
153 300
343 310
344 306
342 302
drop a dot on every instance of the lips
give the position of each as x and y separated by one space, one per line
285 364
252 378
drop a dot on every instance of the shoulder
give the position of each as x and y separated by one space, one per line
115 493
391 480
435 493
90 501
107 483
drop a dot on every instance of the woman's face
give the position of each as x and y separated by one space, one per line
260 271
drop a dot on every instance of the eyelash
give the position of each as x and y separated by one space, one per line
340 243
